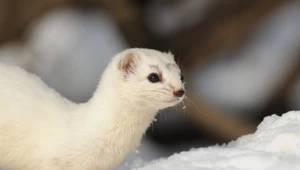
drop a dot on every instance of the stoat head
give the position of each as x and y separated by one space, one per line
150 77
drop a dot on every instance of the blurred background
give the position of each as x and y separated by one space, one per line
240 59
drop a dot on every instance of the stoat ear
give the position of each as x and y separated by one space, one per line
170 55
128 62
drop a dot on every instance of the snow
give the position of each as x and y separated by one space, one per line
148 151
274 146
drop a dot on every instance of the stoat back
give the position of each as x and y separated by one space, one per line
27 108
30 93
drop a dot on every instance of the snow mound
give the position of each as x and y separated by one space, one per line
274 146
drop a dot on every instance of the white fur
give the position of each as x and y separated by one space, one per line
41 130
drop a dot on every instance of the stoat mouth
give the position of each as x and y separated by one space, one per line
175 100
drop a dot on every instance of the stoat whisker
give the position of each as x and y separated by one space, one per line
191 101
164 115
179 55
161 115
184 107
152 127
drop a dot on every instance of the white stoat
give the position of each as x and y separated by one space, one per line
40 130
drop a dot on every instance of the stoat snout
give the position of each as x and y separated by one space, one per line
179 93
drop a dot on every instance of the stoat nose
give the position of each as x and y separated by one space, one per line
179 93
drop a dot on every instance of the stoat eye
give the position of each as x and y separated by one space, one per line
181 78
153 78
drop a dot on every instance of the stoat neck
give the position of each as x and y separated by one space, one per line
108 127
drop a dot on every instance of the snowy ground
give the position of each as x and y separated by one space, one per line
274 146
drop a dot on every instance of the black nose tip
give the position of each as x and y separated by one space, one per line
179 93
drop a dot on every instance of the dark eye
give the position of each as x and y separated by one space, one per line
181 78
153 77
